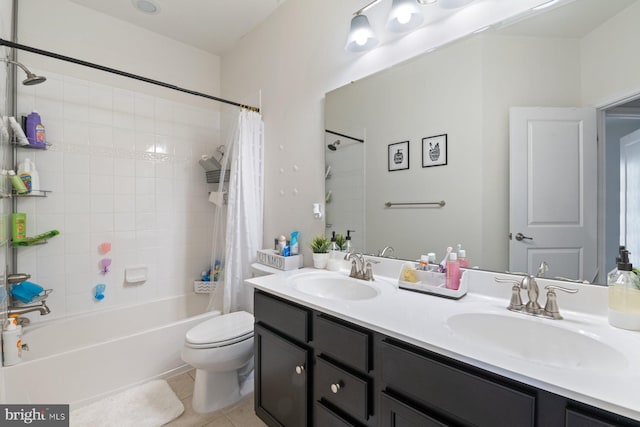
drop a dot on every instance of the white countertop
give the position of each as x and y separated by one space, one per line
422 320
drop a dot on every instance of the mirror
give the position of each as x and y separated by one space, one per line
572 55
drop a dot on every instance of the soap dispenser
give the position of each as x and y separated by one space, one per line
624 294
347 246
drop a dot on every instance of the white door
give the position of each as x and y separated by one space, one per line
630 195
553 191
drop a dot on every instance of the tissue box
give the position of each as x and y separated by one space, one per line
271 258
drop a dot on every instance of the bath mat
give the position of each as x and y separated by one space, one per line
148 405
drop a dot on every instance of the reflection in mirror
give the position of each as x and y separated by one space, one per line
577 54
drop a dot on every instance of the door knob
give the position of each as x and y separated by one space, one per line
520 237
299 369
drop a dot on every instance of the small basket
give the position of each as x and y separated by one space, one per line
272 259
201 287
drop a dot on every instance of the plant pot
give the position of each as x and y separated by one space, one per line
320 260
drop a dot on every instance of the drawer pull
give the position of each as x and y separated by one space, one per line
335 388
299 369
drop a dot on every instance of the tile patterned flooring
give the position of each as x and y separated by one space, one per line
239 415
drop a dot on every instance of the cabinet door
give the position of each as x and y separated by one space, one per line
281 388
394 413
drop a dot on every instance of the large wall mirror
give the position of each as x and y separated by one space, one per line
577 55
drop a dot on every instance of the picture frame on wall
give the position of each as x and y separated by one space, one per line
398 156
434 151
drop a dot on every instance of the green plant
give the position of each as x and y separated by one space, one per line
340 241
320 245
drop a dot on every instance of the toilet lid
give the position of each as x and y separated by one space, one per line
221 329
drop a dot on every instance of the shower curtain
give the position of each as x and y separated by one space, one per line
238 225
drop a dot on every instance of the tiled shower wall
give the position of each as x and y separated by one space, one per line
122 168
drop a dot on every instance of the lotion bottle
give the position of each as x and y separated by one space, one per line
624 295
12 342
453 272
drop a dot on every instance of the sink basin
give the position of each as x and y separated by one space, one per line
536 341
334 287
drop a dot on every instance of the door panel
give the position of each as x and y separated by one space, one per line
630 194
553 191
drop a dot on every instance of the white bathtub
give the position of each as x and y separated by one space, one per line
79 359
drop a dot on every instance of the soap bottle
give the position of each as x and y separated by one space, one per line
624 295
347 246
12 342
334 262
35 130
24 172
453 272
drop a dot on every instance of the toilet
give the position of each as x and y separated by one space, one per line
220 349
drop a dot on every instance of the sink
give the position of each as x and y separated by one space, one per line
333 286
535 340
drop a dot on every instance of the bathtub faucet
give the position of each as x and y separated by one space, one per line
41 307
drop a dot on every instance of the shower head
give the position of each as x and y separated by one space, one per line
334 146
31 79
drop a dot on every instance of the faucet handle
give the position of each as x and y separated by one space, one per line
516 301
551 307
368 274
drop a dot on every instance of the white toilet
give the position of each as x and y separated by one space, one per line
219 349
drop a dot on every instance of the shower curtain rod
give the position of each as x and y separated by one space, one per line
343 135
121 73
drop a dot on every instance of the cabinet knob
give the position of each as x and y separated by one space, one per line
299 369
335 388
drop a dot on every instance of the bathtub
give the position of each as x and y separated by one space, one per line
79 359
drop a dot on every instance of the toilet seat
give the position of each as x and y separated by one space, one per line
221 331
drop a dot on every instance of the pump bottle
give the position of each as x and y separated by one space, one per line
624 295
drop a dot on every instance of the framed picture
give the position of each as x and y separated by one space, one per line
434 151
398 156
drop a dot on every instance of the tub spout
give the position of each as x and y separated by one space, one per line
41 307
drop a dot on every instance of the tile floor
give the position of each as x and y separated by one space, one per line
239 415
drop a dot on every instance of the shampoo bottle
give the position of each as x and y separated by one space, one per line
12 343
295 247
624 295
453 272
35 130
19 226
17 183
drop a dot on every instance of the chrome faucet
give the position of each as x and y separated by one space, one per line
532 307
17 278
383 252
360 268
41 307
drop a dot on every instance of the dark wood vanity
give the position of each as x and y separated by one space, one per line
313 369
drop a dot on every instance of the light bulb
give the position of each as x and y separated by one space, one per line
360 38
403 16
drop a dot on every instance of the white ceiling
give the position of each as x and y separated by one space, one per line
211 25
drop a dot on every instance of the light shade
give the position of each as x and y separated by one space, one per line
361 36
405 15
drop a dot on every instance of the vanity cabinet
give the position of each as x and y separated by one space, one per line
313 369
282 362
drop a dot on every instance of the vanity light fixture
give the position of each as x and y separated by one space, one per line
405 15
361 36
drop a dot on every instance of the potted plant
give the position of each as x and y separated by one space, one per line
320 247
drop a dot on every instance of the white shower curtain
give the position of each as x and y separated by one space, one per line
243 215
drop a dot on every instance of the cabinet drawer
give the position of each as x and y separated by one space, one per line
343 343
577 419
394 413
325 417
287 318
460 395
353 395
